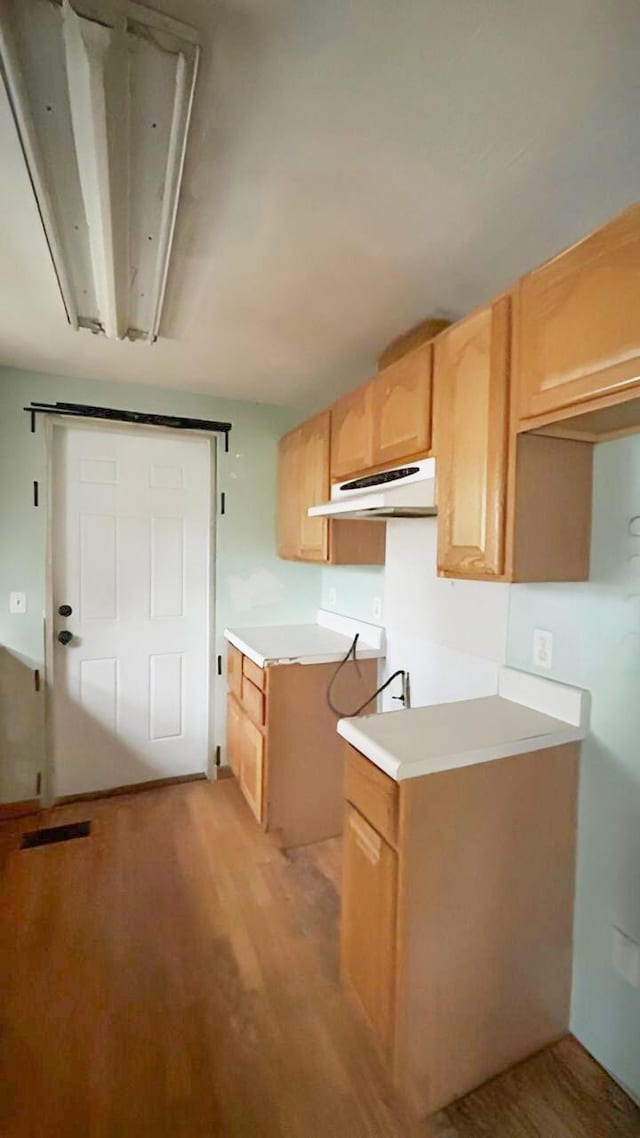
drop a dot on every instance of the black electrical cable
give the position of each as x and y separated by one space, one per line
352 654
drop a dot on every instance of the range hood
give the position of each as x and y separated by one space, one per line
399 492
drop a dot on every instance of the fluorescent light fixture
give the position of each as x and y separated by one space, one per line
101 94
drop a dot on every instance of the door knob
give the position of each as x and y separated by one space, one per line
65 637
65 610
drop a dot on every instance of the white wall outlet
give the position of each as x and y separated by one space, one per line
376 608
17 602
625 957
332 598
542 648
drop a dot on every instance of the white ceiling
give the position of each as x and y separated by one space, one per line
352 167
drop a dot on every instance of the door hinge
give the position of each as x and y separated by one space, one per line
36 492
219 665
39 783
36 679
223 502
218 756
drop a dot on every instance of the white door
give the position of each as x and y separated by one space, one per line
130 549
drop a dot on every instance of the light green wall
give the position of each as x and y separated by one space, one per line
356 587
252 585
596 645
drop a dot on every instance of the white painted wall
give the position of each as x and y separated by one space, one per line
450 635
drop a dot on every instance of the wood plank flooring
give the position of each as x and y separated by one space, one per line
175 974
170 976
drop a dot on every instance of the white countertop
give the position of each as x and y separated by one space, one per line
426 740
325 642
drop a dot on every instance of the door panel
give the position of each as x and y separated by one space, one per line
402 408
578 321
471 404
166 695
368 924
97 567
130 554
167 567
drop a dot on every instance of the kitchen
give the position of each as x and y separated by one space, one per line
513 506
496 596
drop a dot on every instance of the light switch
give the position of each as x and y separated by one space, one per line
331 598
626 957
376 608
17 602
542 648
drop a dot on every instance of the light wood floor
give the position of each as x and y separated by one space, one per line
175 975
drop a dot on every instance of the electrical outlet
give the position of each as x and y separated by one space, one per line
332 598
376 608
17 602
542 648
625 957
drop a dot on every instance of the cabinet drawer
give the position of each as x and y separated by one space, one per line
234 670
253 701
253 672
373 793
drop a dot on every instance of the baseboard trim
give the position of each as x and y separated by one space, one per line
9 810
132 788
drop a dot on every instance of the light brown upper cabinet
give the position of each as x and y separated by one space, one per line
401 402
385 421
289 502
577 324
471 430
352 433
303 481
313 485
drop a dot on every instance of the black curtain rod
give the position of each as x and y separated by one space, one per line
114 414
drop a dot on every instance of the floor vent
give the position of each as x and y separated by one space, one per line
52 834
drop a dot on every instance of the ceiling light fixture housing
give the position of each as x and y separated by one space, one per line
101 94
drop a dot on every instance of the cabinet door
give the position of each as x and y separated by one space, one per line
471 406
252 766
368 923
234 735
402 408
289 496
578 321
352 433
314 486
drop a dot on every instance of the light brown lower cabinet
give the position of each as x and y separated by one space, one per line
370 885
282 743
252 766
457 915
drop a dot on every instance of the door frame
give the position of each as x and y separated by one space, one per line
53 423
